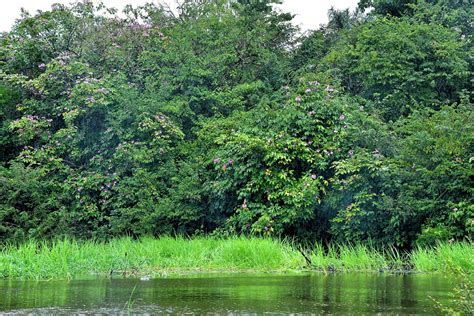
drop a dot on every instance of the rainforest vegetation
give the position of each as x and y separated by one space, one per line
222 119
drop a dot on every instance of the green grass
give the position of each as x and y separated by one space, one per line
456 257
355 258
66 259
69 258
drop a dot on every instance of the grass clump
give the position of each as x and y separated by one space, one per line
445 257
354 258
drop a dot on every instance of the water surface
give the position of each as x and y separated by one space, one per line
234 294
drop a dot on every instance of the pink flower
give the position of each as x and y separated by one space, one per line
298 99
308 90
313 176
342 117
216 160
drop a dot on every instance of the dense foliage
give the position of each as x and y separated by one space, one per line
220 119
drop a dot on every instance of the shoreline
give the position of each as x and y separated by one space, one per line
149 257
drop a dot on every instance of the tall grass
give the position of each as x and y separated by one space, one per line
456 257
72 259
355 258
69 258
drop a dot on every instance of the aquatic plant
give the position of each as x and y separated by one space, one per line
67 258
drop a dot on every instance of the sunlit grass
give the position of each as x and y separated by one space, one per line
69 258
444 257
128 257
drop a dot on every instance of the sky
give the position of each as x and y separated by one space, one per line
309 13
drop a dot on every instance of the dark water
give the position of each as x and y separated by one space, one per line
237 294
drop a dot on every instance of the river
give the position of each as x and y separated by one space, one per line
232 294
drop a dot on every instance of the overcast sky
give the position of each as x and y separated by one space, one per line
309 13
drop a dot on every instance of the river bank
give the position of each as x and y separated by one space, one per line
70 259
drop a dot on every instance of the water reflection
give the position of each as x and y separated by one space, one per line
231 294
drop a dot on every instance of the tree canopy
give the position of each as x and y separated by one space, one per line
223 119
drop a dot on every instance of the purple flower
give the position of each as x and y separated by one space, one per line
311 113
455 209
216 160
351 153
342 117
308 90
42 66
298 99
224 166
313 83
313 176
266 228
231 161
345 126
329 89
